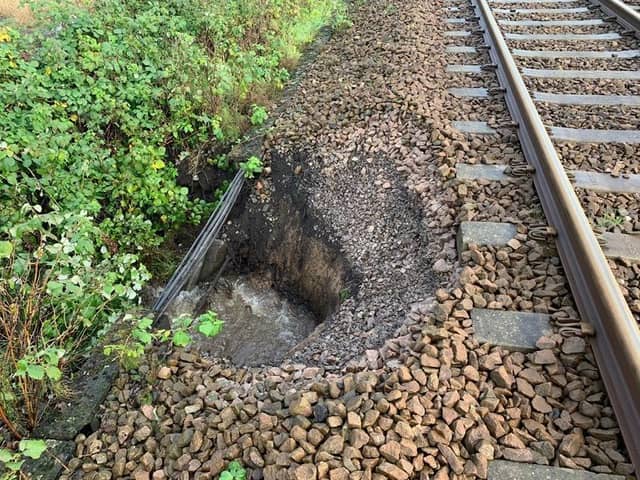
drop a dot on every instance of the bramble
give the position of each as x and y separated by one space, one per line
100 107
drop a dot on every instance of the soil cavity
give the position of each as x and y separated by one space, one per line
284 277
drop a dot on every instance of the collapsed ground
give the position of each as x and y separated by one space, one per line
373 118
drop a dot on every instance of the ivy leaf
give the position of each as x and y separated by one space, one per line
32 448
181 338
35 371
6 248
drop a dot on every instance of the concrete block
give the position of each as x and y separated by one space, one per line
603 182
473 127
622 246
484 233
465 171
515 331
504 470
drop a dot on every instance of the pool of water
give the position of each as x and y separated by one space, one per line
261 325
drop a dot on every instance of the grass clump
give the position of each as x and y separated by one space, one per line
102 103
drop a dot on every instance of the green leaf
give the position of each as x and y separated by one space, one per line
6 248
144 336
181 338
5 455
209 328
14 466
53 373
32 448
54 288
145 323
35 371
21 367
226 476
236 470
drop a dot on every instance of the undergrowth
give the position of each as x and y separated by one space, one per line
102 104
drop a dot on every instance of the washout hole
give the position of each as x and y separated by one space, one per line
274 276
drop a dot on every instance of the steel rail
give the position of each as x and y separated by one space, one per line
616 342
625 15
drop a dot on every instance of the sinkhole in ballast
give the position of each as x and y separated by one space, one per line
273 277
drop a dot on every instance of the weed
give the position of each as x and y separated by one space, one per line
259 115
130 351
12 460
252 166
390 9
341 20
221 161
609 221
234 472
209 324
345 294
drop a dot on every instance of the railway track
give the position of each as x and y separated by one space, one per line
569 72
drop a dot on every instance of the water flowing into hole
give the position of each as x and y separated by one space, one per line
261 325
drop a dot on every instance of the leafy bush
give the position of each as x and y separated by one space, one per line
58 284
12 461
259 115
131 350
101 107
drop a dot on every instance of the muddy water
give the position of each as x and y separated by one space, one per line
261 325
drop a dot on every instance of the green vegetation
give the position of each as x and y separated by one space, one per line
12 461
610 220
131 350
252 166
259 115
102 105
345 294
234 472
